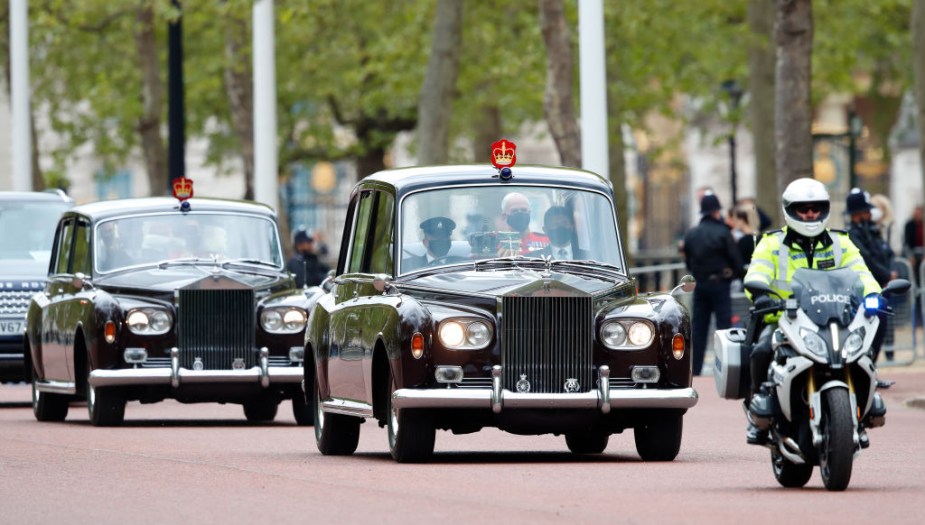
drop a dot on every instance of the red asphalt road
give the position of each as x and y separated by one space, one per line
202 463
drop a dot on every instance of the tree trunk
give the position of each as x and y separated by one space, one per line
761 58
38 179
557 98
435 108
918 69
488 129
238 79
793 110
152 96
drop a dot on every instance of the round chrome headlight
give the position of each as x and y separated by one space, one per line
137 321
613 334
452 334
640 334
272 320
159 321
478 334
294 320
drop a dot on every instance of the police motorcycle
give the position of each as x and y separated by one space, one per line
821 396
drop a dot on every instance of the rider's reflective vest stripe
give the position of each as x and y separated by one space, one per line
774 262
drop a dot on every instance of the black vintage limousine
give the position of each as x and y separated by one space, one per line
157 298
478 296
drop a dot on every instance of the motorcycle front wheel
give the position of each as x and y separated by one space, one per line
836 454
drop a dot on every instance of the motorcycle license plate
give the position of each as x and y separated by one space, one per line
11 326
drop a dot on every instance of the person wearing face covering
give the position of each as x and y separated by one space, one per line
306 268
559 226
515 217
437 242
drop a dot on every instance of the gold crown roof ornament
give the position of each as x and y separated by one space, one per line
183 191
503 157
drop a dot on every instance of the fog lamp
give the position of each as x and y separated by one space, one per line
448 374
135 355
296 354
645 374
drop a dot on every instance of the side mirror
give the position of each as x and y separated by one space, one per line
685 285
80 280
382 282
896 287
328 283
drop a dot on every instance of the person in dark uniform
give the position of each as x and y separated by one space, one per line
304 264
559 226
712 257
437 232
876 252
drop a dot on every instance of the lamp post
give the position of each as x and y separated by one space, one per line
855 127
734 91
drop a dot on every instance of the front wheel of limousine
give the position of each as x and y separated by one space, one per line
335 434
411 432
659 438
105 406
592 442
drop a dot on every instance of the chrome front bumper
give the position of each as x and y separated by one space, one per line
603 399
175 376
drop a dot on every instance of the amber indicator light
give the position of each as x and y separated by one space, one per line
109 331
677 346
417 345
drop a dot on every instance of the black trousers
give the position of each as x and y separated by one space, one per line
711 298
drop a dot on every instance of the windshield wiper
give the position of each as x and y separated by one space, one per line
588 264
249 262
516 261
184 261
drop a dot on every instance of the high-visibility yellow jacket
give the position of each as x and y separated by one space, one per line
774 261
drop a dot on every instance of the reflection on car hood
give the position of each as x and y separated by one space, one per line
501 282
172 278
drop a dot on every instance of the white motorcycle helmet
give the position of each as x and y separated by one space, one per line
806 191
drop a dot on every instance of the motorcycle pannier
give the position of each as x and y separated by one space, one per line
731 364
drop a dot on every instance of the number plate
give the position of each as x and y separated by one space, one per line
11 326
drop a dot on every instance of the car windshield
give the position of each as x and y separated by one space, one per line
151 239
465 224
28 228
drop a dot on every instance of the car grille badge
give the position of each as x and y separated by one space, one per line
523 386
238 364
197 364
571 385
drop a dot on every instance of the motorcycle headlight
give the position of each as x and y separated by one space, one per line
464 334
148 321
855 342
814 343
288 320
626 334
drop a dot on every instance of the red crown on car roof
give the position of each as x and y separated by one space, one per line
182 188
503 154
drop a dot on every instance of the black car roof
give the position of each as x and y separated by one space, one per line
406 180
105 209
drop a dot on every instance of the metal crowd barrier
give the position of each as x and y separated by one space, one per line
905 338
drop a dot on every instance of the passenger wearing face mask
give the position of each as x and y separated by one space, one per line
559 226
515 217
437 242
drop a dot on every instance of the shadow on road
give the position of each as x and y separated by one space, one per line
498 458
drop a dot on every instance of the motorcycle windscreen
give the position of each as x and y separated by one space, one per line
828 295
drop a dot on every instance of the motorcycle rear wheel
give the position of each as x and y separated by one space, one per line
790 475
836 454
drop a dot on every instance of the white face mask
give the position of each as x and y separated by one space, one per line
876 214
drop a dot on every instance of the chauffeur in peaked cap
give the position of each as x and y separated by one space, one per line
436 241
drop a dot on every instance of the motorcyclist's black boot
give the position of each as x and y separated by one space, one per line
759 411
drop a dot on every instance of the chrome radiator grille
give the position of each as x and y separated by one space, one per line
217 328
546 344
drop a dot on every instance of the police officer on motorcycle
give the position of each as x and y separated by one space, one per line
804 242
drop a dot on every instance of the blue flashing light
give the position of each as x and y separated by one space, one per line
506 174
872 304
184 206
